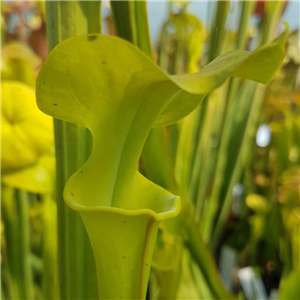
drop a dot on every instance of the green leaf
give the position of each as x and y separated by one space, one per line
120 100
123 246
66 76
90 75
108 86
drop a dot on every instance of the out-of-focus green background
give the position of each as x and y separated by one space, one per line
237 163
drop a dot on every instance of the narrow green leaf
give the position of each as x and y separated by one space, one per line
75 258
142 32
124 19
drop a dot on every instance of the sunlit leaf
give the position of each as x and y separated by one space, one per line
108 86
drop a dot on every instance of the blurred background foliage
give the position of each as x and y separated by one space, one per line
234 161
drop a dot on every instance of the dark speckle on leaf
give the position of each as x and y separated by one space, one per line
54 104
92 37
81 172
104 63
123 257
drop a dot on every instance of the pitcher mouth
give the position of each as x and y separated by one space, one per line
159 216
160 205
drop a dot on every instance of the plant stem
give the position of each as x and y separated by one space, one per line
203 258
124 20
142 28
222 209
53 29
15 204
49 249
245 151
66 19
247 10
209 167
223 157
218 30
216 42
24 262
9 217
